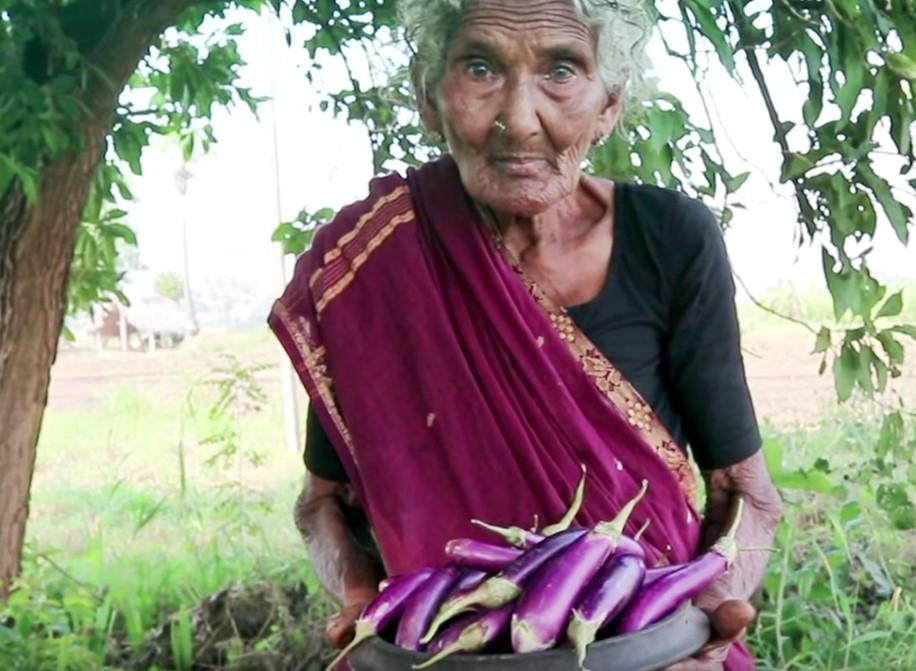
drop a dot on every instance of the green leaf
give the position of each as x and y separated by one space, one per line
845 372
902 66
773 454
892 307
891 435
822 344
737 181
892 347
809 481
905 329
706 21
894 500
122 231
898 213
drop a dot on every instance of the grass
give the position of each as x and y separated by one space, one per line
128 532
839 594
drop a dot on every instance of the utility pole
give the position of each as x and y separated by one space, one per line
288 379
181 183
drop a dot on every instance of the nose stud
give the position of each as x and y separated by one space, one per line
499 126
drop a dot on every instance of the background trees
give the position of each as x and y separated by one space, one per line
84 85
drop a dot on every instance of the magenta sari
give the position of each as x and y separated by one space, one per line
452 389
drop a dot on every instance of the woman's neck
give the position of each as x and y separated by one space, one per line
566 225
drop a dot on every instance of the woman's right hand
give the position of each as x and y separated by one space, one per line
342 627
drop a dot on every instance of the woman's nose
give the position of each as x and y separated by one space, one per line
520 112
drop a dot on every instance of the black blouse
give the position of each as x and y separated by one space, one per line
666 318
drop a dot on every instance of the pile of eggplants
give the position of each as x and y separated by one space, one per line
561 586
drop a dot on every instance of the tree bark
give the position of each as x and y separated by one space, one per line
38 264
36 250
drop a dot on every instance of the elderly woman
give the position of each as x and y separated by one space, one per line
473 332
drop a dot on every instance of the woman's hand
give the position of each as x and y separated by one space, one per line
341 628
725 601
343 568
727 623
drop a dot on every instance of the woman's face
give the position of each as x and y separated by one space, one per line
520 103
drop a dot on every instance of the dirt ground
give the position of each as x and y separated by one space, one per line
782 373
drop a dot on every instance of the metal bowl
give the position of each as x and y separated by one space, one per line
674 638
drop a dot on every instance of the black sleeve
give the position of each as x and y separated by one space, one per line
704 366
320 457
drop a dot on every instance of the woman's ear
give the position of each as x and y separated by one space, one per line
610 115
429 114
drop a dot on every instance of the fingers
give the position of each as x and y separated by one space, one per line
341 628
340 631
729 621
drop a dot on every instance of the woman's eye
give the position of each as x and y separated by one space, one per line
561 73
479 69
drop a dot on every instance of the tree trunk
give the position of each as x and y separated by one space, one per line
36 249
36 266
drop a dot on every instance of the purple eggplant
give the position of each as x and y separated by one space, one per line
506 585
383 609
547 602
477 554
383 585
422 606
607 594
465 585
469 579
451 633
483 629
654 574
525 539
516 536
666 594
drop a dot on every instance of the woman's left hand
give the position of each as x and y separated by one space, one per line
727 622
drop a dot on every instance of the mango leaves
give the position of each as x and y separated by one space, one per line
856 60
48 62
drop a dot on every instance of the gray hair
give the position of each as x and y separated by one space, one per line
621 27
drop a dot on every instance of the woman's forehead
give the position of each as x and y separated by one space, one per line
555 17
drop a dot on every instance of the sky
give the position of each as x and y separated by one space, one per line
242 187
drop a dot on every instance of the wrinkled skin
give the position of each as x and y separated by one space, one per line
530 66
520 104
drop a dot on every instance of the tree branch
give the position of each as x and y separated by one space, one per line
760 80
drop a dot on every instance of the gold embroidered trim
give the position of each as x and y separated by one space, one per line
337 251
337 288
317 369
618 390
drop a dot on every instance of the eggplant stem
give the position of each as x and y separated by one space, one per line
460 606
642 530
512 535
614 528
472 638
524 637
574 509
494 592
582 632
757 548
442 654
364 630
727 546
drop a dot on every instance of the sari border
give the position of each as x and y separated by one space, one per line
618 391
352 249
311 364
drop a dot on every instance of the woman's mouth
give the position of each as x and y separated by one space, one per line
519 165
